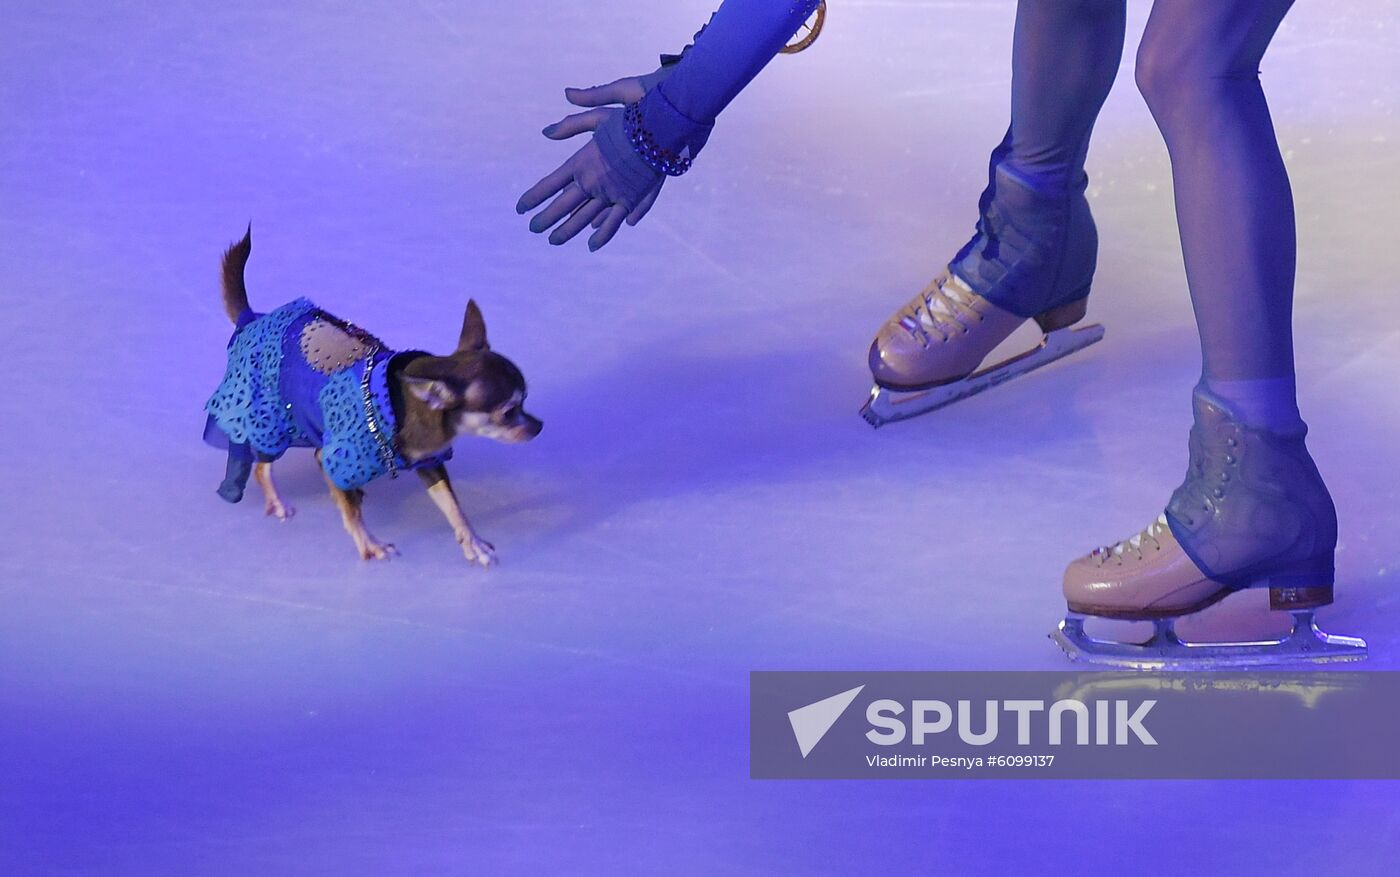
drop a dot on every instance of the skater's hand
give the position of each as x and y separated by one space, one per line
627 90
603 184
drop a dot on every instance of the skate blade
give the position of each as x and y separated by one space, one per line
887 406
1166 651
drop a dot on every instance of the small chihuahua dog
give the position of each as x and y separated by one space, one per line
300 377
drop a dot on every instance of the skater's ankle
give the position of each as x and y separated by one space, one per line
1049 183
1262 403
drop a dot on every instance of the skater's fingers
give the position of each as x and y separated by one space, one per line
578 123
622 91
545 188
578 222
644 206
568 201
612 221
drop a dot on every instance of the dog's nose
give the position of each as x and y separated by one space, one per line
526 430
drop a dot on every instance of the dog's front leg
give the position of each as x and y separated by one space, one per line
273 504
350 503
474 548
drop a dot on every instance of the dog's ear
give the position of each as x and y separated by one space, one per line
437 394
437 376
473 338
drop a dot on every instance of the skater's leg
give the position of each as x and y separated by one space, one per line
1036 244
1253 510
1035 247
1198 68
1065 57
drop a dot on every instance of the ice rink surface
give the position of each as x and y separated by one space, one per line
188 687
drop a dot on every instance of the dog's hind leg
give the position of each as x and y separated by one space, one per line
474 548
240 466
274 505
350 503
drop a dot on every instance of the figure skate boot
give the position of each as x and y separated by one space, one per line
1252 513
1032 257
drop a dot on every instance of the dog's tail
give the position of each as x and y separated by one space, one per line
235 293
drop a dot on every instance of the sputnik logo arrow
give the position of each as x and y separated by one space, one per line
811 722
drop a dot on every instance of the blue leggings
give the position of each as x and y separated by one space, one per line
1198 68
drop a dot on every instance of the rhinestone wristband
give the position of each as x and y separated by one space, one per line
644 144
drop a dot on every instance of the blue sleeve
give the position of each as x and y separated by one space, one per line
740 40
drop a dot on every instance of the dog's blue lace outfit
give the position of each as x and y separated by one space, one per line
281 391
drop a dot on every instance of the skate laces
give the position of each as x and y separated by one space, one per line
1135 544
939 308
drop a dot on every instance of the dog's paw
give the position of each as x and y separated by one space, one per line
372 549
276 508
477 550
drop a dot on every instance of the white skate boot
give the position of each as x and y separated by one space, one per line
927 355
1033 254
1252 513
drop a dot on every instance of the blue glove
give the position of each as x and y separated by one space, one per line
605 182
